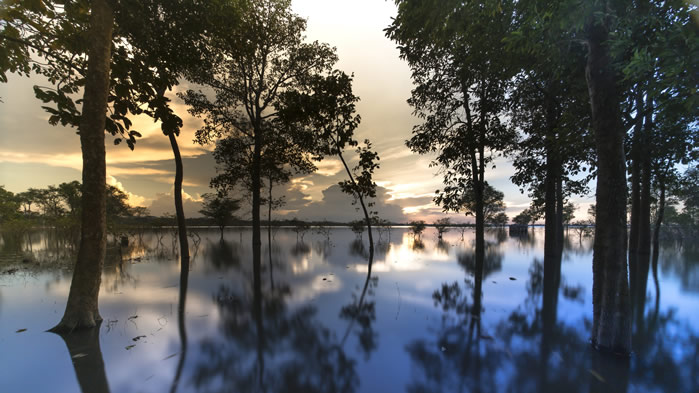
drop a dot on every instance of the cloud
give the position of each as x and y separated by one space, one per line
165 203
133 199
337 206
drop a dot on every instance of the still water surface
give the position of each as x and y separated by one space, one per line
420 326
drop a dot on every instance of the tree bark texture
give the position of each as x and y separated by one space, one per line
82 306
611 329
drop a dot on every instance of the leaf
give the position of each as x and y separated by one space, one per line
21 330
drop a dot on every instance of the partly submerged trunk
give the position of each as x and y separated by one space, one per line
256 227
82 307
611 328
269 234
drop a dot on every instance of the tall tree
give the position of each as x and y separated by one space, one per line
611 328
454 51
264 58
220 209
82 307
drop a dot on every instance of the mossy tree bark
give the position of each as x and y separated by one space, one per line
82 307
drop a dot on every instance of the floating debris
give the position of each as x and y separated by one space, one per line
512 279
138 338
21 330
170 356
596 375
78 355
129 346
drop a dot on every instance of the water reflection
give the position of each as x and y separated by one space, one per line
313 318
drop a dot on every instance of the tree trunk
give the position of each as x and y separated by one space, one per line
550 231
82 306
256 227
179 207
269 234
611 328
635 196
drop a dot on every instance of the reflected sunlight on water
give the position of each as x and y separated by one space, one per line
421 325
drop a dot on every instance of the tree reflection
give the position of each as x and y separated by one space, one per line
265 347
222 254
86 355
462 358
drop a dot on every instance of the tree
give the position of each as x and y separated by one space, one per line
417 227
71 194
357 226
324 116
548 107
442 226
492 203
500 219
82 306
611 328
9 205
254 65
454 51
219 208
523 218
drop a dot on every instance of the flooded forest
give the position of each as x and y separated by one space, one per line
316 255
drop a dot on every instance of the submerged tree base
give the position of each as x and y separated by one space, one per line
77 321
606 350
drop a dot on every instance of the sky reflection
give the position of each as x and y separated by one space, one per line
421 326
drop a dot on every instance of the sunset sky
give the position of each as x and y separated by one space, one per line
36 154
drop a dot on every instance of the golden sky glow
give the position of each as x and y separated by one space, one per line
35 154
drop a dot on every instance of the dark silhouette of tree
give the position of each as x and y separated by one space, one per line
219 208
454 50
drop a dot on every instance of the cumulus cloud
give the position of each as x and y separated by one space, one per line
133 199
337 206
165 203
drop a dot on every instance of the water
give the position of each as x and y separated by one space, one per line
417 328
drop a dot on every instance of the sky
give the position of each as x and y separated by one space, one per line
36 154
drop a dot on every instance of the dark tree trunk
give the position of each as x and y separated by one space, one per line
550 230
82 307
611 328
179 207
89 365
644 236
635 194
256 227
269 233
367 218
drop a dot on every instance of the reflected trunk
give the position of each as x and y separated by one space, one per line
86 355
